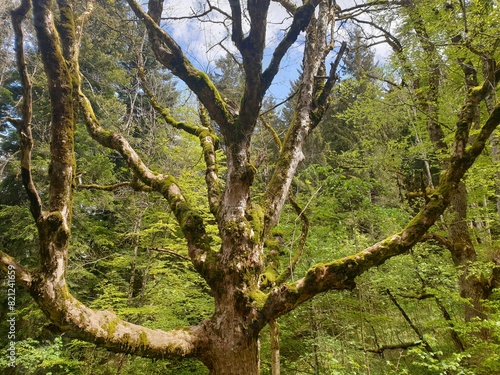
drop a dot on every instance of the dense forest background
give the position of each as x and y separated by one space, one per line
370 165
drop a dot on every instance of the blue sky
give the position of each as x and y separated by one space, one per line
200 40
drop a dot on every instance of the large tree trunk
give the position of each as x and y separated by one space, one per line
232 349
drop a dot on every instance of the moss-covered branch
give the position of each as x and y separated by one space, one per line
191 223
23 125
16 273
273 132
169 54
60 85
302 122
163 111
101 327
209 143
134 185
340 274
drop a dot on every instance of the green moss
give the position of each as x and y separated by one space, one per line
475 90
143 339
272 244
257 297
237 228
311 272
256 218
268 278
110 327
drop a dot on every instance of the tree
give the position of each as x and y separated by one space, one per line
232 265
428 86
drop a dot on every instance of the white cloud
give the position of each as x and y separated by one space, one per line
201 41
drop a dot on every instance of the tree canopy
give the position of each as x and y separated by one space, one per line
180 227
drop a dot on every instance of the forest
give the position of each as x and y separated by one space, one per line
249 187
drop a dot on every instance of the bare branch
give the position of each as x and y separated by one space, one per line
323 98
170 252
402 346
6 161
195 15
252 51
412 325
442 240
290 97
237 28
302 17
289 6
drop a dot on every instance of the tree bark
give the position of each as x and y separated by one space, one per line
275 347
231 350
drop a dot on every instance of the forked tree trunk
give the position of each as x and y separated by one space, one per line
227 343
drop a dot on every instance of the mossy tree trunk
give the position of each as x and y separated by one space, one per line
228 341
427 86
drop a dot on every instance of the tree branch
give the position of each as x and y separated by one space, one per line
170 252
101 327
237 27
171 56
301 18
442 240
302 241
209 143
191 223
303 120
412 325
289 6
404 345
12 268
134 185
23 125
340 274
322 102
163 111
252 52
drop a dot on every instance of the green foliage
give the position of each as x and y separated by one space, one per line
34 357
362 162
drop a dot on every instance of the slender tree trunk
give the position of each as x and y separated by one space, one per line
463 253
362 329
275 348
133 265
314 329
